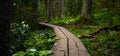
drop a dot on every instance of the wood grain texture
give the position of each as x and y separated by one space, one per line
68 44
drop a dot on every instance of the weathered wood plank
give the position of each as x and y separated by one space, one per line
68 44
73 50
60 47
49 25
81 49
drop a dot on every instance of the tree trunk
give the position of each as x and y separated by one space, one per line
48 10
71 7
60 8
86 10
52 9
6 7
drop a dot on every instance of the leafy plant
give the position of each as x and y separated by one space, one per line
65 19
18 34
105 43
34 42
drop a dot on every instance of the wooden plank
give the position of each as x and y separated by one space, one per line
82 50
73 50
49 25
60 47
68 44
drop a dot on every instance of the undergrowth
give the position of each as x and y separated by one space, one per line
25 42
65 19
105 43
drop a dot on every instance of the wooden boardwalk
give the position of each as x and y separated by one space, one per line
68 44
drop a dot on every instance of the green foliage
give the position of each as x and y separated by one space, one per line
19 53
45 52
18 34
82 31
105 43
65 20
26 42
105 18
33 53
41 9
41 40
116 20
102 18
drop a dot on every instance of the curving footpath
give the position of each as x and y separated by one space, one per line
68 44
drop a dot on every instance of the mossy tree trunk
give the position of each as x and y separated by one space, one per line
86 11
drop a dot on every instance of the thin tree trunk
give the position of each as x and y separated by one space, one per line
52 9
60 8
48 10
86 10
6 7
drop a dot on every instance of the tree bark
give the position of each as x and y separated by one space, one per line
48 10
86 10
52 9
6 7
60 8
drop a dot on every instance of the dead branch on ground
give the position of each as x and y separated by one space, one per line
92 34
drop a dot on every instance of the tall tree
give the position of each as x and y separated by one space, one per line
52 8
60 8
5 15
49 10
86 9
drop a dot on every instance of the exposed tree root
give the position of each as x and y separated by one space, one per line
92 34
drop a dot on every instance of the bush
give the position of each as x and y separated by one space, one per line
18 34
25 42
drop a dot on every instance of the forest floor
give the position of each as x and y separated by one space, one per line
99 38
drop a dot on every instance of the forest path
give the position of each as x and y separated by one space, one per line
68 44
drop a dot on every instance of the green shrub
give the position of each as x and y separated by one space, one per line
65 19
18 34
105 43
30 43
